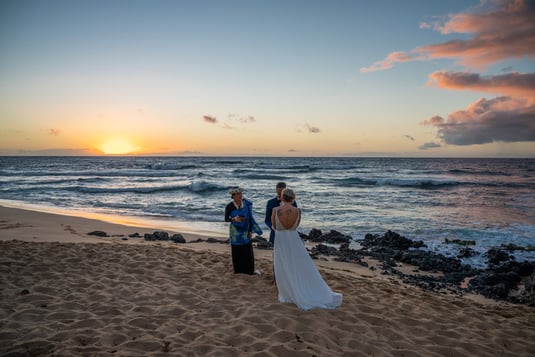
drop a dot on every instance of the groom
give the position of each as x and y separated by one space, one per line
272 203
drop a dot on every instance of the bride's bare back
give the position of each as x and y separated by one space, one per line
287 215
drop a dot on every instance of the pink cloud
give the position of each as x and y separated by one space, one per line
511 84
435 120
500 119
504 29
391 59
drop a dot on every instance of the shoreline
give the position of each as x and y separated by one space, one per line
173 225
66 293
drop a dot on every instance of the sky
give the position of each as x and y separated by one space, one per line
415 78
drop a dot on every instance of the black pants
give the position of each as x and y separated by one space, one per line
243 258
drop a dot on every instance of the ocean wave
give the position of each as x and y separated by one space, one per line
265 177
141 190
421 183
351 181
93 174
203 187
170 166
477 172
300 169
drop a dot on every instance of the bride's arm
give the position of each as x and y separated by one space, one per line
273 219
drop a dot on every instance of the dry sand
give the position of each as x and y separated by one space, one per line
66 294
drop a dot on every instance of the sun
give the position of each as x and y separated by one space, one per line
118 146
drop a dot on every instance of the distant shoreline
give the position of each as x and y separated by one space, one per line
364 156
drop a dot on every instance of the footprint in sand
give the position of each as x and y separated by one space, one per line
6 225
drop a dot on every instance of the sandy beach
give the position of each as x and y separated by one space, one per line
64 293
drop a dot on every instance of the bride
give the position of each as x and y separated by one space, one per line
298 279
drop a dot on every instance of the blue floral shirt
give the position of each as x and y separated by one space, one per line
239 231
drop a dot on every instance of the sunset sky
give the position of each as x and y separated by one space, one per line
299 78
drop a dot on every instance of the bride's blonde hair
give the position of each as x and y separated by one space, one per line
288 194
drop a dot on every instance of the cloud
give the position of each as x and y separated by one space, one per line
493 31
312 129
510 84
409 137
53 132
429 146
391 59
499 29
500 119
242 119
209 119
247 119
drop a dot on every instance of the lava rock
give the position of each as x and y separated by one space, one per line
98 234
178 238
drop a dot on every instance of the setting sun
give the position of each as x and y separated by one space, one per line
118 147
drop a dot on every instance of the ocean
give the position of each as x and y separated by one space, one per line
489 201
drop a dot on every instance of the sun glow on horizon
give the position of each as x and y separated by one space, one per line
118 146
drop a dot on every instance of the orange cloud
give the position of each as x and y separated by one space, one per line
500 119
511 84
506 30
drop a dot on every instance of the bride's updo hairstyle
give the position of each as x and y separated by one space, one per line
288 195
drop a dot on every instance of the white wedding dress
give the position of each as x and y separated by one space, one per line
298 279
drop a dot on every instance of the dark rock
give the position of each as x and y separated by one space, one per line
460 242
263 245
303 236
213 240
25 292
261 242
391 240
323 250
503 275
496 256
493 284
512 247
456 278
528 295
149 237
161 235
98 234
466 253
315 235
124 238
134 235
334 237
178 238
